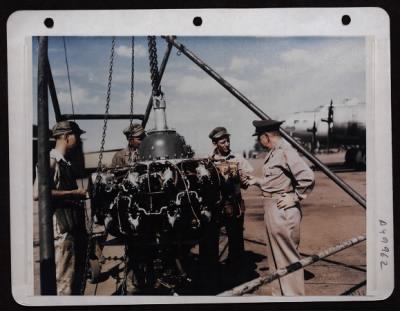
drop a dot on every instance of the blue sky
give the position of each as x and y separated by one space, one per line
280 75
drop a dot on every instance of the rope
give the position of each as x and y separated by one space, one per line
69 79
69 85
83 285
254 284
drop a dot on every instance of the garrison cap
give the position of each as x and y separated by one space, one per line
134 130
266 126
218 133
66 127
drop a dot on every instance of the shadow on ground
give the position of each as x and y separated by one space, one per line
199 280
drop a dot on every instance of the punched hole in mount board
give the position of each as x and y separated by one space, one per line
49 22
197 21
346 20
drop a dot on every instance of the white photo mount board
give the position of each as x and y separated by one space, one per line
371 23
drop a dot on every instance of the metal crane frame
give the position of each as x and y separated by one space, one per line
46 84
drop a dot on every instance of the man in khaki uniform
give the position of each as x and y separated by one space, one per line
70 233
286 181
233 213
134 134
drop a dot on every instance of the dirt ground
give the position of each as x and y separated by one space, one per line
330 216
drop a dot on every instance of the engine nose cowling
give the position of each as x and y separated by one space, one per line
162 145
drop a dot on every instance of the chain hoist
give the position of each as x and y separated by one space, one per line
154 74
99 166
103 137
130 159
132 79
125 271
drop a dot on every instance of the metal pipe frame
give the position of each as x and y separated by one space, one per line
254 284
46 84
47 258
162 70
261 114
101 116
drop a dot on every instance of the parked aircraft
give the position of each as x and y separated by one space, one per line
341 125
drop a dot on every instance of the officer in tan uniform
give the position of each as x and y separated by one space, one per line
231 166
134 134
70 233
286 181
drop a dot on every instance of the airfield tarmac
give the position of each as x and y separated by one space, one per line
330 216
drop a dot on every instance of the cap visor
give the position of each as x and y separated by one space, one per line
221 136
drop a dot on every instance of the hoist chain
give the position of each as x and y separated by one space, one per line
130 160
132 79
103 259
155 76
99 165
125 271
103 137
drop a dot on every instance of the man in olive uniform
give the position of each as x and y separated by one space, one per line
134 134
233 209
66 199
286 181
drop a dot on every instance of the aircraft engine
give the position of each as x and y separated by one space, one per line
165 198
166 192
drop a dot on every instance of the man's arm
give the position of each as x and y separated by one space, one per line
302 173
116 159
36 182
245 166
79 193
36 188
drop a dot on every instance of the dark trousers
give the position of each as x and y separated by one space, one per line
234 231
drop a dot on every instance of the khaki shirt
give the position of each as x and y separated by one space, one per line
121 158
233 203
244 165
284 171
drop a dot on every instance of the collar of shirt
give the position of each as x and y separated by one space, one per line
55 154
218 156
128 150
279 145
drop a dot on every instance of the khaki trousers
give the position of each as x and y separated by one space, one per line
283 237
65 264
70 256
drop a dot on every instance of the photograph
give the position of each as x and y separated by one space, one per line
199 165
